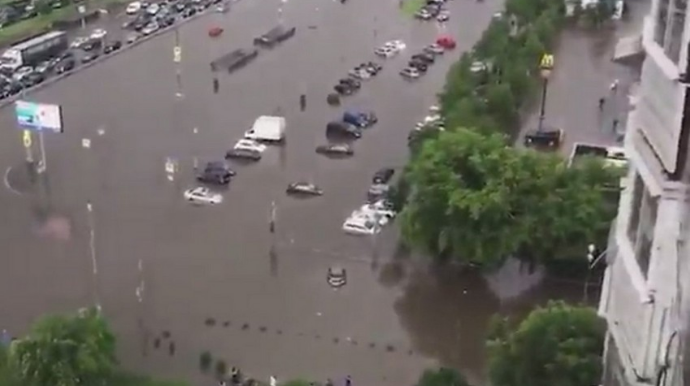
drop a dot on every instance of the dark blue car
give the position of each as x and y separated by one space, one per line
360 119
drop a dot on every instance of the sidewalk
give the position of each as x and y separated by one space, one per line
583 74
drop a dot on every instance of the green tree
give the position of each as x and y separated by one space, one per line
473 198
441 377
66 351
555 345
502 105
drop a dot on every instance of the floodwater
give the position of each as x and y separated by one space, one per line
176 278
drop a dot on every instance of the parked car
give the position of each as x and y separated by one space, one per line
153 9
381 207
112 46
424 58
65 65
360 226
546 138
336 277
304 188
90 57
347 86
133 7
360 119
342 129
243 154
201 195
150 28
21 72
215 172
98 33
434 49
33 79
335 149
410 73
443 16
447 42
78 42
382 176
249 144
92 45
377 192
418 65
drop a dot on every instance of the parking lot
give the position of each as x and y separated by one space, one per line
162 264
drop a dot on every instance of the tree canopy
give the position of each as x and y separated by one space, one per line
475 199
441 377
68 350
557 345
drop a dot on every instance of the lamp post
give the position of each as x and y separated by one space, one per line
545 69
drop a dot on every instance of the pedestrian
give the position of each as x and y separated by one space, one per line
602 100
329 382
614 125
273 381
614 86
348 381
302 102
216 85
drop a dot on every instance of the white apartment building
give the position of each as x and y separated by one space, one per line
646 293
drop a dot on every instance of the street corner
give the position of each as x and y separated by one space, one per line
20 179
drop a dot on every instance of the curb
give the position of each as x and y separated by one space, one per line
126 47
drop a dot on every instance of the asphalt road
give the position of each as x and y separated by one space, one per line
158 264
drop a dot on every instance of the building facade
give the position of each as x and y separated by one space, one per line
647 281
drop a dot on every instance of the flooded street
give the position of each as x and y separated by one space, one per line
206 275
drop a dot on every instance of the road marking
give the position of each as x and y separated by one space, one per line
7 182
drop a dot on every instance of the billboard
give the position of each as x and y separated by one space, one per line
39 116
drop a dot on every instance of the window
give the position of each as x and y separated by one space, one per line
660 22
669 24
642 224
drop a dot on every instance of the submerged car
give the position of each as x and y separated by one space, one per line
410 73
382 176
305 188
243 154
276 35
546 138
335 149
215 172
336 277
360 119
377 192
201 195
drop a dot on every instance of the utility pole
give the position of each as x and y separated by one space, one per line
545 68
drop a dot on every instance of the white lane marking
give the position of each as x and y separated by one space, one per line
6 180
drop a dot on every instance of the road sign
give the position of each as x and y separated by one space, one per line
547 62
86 143
177 54
26 138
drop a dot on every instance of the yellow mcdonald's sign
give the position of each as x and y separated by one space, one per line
26 138
547 62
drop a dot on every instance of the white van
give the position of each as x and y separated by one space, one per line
268 129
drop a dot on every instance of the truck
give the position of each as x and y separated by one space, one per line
267 129
33 51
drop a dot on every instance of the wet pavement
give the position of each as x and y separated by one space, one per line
584 73
209 276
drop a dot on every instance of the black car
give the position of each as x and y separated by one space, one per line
245 154
276 35
88 58
234 60
33 79
373 67
424 58
382 176
12 88
335 149
215 173
419 65
546 138
92 45
65 65
189 12
342 129
112 46
347 86
167 21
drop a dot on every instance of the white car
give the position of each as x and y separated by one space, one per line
359 73
133 7
98 33
360 225
249 144
153 9
397 45
369 214
434 109
78 42
381 208
201 195
150 28
386 52
443 16
410 73
21 73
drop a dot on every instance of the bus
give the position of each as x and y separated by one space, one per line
34 50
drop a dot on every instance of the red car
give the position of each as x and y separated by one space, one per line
215 31
446 42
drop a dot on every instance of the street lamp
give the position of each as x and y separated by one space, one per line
545 69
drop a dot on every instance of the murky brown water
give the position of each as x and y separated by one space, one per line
272 313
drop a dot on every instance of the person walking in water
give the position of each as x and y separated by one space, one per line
602 100
273 381
348 381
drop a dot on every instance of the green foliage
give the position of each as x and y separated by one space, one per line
442 377
124 379
555 345
474 199
205 361
66 351
297 382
